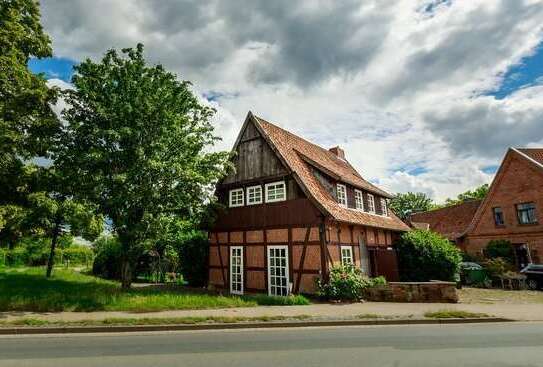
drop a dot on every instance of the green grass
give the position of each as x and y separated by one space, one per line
150 321
27 289
454 314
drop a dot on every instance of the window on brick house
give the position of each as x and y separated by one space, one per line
358 200
526 213
371 203
384 207
498 216
346 255
341 195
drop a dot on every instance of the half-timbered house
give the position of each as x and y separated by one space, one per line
292 211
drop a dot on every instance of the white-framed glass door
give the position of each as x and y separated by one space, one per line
278 280
236 270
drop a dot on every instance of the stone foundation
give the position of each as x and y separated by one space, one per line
434 292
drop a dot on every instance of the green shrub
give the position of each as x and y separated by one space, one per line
347 282
17 256
3 257
497 267
425 255
193 252
78 255
500 249
107 262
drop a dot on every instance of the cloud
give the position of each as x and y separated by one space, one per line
400 85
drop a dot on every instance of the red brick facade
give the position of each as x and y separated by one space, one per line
519 180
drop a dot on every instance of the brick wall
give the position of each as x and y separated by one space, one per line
518 181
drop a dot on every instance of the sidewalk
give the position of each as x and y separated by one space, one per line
521 312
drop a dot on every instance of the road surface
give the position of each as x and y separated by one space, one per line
497 345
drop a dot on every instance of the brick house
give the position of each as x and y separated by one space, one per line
511 210
292 210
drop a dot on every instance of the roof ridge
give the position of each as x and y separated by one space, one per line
449 206
299 137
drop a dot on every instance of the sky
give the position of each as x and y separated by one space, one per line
423 95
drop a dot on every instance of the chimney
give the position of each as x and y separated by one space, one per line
338 152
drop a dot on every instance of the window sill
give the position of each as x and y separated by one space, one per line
528 224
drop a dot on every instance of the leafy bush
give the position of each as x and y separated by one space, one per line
193 252
107 263
500 249
347 282
425 255
3 257
497 267
78 254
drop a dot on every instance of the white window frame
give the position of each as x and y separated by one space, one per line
347 259
343 202
358 199
286 268
232 249
267 189
371 203
248 190
384 207
230 197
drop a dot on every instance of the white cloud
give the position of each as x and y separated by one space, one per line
397 84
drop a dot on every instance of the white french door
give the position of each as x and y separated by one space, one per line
236 270
278 281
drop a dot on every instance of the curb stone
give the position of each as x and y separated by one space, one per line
240 325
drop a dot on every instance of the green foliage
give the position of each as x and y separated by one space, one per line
497 267
478 193
405 204
265 300
137 144
347 282
193 252
107 260
78 255
27 122
425 255
500 248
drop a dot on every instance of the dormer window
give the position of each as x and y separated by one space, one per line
358 200
236 198
384 208
341 195
371 204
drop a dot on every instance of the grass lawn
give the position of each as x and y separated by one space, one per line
501 296
27 289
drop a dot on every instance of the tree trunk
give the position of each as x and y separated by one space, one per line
54 240
126 273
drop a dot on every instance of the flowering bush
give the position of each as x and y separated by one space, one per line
347 282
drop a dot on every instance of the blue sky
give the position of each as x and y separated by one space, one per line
422 130
527 73
53 68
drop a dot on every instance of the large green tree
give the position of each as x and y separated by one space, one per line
27 122
137 143
479 193
405 204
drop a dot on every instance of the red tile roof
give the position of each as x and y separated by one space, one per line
299 154
534 153
452 221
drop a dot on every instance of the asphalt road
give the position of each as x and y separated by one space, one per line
496 345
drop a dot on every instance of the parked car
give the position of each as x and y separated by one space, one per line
534 276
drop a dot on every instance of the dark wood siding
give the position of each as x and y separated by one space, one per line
297 212
254 159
